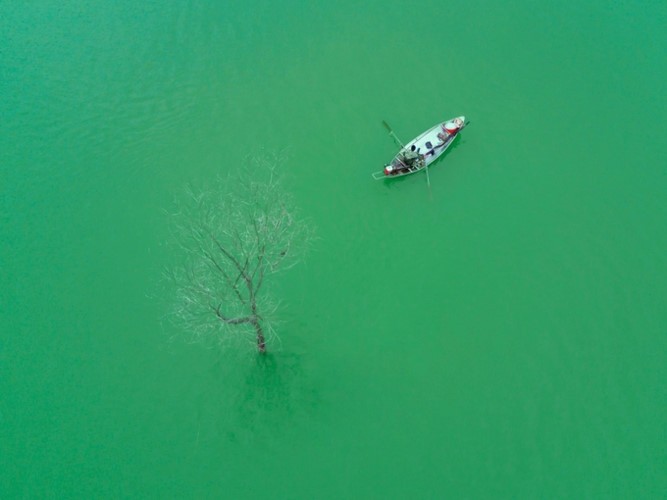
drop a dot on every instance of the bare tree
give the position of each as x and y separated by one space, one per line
234 237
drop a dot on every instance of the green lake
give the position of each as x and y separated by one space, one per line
498 333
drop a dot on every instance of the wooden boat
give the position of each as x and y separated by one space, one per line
423 150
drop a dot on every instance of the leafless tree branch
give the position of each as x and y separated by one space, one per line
231 238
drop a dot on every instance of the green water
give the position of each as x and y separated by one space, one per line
500 334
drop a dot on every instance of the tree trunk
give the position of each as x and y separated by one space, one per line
261 343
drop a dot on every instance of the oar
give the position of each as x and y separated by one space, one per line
391 133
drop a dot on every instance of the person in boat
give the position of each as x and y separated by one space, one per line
406 161
410 156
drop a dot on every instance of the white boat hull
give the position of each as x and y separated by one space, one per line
428 147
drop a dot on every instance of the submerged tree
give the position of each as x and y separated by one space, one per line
234 237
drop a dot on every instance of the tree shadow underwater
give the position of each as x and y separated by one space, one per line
259 399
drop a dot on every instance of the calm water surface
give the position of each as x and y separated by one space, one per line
499 334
